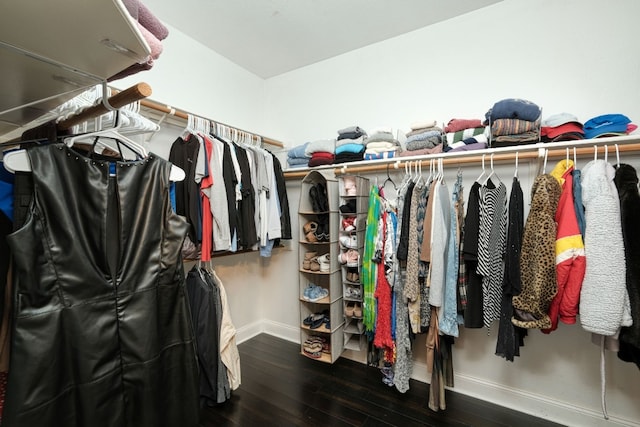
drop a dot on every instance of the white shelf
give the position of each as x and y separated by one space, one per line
52 51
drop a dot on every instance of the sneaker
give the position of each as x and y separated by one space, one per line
325 263
349 223
351 258
316 293
350 242
353 292
348 207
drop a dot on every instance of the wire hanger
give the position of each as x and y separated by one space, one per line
389 180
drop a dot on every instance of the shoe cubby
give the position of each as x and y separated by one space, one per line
354 203
320 273
332 344
311 312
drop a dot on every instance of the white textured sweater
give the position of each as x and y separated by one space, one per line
604 301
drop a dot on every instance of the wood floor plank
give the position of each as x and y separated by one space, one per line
280 387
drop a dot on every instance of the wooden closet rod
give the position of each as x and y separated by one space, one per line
184 115
626 144
120 99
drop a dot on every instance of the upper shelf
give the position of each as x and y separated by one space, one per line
51 51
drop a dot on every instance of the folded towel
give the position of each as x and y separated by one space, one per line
382 129
421 144
471 140
326 145
455 125
424 130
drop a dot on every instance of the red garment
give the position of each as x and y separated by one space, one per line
570 258
383 338
321 158
207 216
455 125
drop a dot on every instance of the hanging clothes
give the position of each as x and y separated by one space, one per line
604 301
369 267
491 247
106 318
449 314
626 181
570 259
511 337
184 154
473 311
537 258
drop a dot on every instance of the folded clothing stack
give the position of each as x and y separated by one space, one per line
459 130
350 144
608 125
321 152
561 127
381 145
296 156
423 135
513 122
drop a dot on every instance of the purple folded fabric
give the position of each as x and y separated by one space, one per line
151 22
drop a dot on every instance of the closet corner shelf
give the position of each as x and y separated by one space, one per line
42 68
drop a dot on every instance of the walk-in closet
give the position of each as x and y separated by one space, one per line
319 213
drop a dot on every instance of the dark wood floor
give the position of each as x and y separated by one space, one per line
280 387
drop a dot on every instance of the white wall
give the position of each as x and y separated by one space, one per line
575 56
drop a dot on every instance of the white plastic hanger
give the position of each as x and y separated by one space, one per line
515 173
18 160
617 156
492 173
479 179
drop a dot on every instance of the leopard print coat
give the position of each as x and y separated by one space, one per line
537 258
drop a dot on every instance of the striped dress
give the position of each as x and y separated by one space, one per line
491 248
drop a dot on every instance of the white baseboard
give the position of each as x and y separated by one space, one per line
523 401
516 399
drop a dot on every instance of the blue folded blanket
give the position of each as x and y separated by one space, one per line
297 152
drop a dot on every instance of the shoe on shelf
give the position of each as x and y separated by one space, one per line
349 207
353 292
357 310
323 228
350 257
312 318
314 199
325 263
349 223
348 308
312 348
310 231
315 293
350 188
349 242
306 262
323 198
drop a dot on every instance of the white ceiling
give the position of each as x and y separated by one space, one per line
271 37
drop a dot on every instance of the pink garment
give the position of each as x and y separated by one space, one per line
151 22
455 125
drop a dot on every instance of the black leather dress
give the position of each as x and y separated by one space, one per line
102 333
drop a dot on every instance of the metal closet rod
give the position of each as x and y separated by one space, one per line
626 144
184 115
